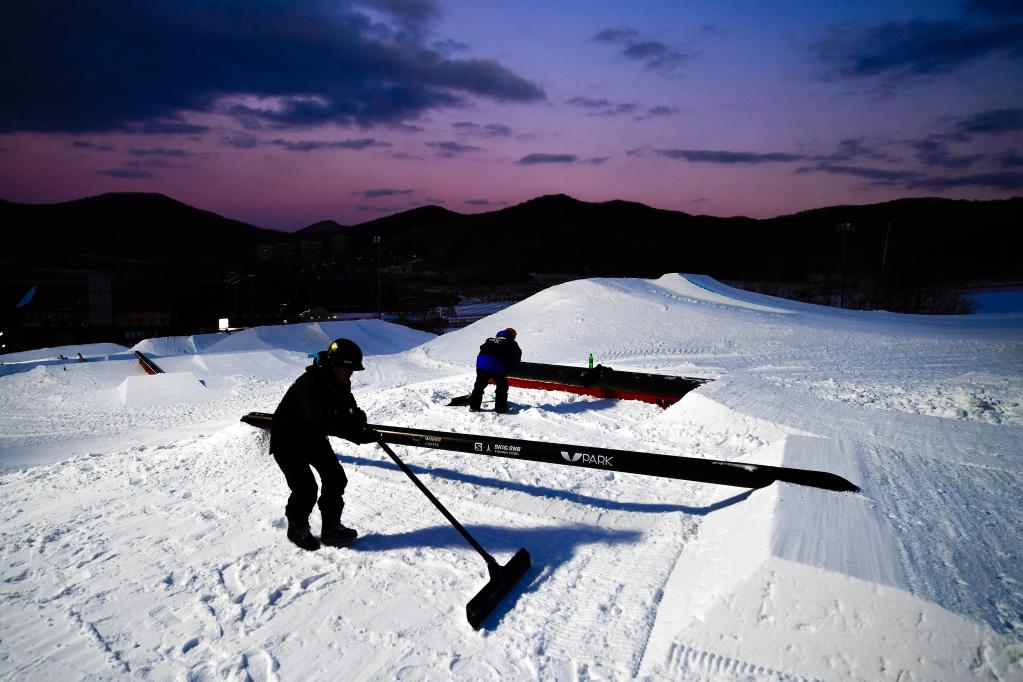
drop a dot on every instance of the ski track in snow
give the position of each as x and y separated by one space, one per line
143 535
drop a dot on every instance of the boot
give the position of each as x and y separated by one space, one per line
300 535
336 535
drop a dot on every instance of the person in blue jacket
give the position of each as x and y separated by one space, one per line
498 355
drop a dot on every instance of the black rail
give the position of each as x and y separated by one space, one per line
602 459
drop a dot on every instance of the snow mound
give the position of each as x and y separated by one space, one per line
162 389
88 350
375 337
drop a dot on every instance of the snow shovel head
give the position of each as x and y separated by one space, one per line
502 579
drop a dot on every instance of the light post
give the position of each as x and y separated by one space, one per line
380 309
845 229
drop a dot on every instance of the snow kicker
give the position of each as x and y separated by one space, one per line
604 459
600 381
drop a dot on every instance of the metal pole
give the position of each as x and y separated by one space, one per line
845 229
440 507
884 252
380 309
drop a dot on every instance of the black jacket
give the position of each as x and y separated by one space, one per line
316 405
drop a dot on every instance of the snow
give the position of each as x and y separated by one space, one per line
143 530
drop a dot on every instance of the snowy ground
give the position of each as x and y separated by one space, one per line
143 531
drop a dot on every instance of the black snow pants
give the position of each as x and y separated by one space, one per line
295 457
482 379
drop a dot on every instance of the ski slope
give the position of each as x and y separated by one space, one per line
143 529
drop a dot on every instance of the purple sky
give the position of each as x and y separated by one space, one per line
284 113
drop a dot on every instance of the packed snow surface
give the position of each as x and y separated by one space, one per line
143 529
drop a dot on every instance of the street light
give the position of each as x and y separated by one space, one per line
845 229
380 309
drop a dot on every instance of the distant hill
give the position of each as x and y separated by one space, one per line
125 227
923 240
322 227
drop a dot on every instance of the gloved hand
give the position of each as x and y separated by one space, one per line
368 435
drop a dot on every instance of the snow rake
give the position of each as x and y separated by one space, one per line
502 578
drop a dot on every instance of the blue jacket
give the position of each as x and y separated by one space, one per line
498 355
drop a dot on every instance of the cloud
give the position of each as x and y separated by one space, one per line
877 176
659 110
382 192
490 130
851 149
596 160
127 173
318 145
478 202
410 14
159 151
1008 181
993 122
902 50
450 149
654 54
726 157
1010 159
449 46
932 151
84 144
538 158
996 8
603 107
322 61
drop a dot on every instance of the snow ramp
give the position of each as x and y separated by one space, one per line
162 389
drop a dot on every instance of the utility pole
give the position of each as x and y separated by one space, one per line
845 229
380 309
884 252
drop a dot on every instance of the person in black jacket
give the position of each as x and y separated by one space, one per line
320 402
498 355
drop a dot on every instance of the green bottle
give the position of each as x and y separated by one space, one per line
591 360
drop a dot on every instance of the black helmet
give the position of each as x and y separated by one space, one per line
345 353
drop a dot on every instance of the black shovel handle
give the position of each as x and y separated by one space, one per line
491 562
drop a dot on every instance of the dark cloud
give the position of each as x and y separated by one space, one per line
851 149
382 192
654 54
532 159
617 35
162 127
660 110
996 8
596 160
603 107
1007 181
308 63
84 144
994 122
725 157
450 149
478 202
933 151
127 173
449 46
159 151
410 14
899 50
489 130
877 176
1010 159
241 140
318 145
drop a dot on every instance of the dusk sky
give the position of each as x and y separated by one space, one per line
284 113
